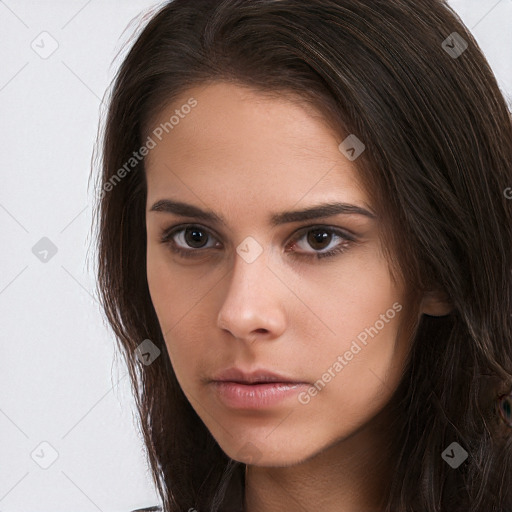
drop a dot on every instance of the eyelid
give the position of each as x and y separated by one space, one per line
347 233
168 233
347 239
184 225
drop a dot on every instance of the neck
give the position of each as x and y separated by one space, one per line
349 475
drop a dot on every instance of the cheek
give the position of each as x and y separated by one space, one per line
169 304
175 290
353 297
183 310
355 380
159 281
360 358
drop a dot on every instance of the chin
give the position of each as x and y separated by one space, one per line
256 452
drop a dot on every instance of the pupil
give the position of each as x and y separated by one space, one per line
194 238
318 236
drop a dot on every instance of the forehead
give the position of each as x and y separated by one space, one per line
239 140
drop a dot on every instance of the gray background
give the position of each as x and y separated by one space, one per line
61 382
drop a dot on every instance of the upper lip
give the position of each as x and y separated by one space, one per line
259 375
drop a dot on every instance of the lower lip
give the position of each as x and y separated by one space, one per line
256 396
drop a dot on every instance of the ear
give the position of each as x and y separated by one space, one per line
436 303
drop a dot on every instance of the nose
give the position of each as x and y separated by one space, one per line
253 305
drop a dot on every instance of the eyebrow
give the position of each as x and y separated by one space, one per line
276 219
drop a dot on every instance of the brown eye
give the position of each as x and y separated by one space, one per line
318 237
195 241
189 241
195 237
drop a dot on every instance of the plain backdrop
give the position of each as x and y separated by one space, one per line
69 439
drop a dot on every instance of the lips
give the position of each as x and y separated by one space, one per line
257 376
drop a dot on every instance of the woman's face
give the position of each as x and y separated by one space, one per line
309 298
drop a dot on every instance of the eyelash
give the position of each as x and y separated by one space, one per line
346 241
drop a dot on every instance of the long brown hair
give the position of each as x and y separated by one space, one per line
409 79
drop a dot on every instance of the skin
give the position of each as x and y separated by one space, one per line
245 156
